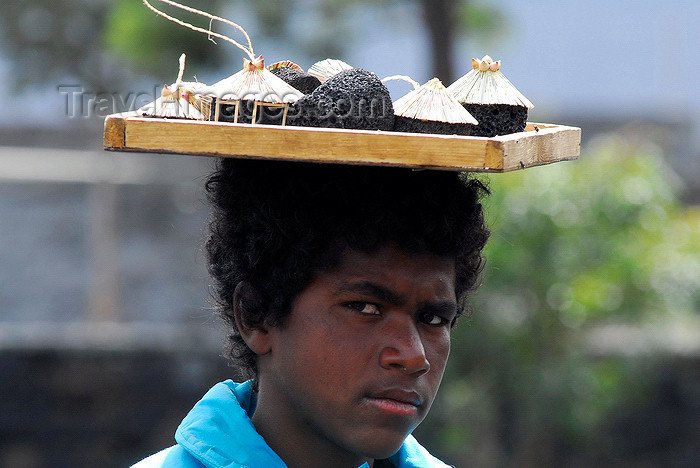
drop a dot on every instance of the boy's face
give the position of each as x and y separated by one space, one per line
359 360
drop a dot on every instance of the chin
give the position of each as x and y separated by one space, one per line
381 447
384 452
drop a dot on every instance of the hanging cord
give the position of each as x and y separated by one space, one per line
181 70
401 78
248 50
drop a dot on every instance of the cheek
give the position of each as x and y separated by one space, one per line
324 353
439 353
345 354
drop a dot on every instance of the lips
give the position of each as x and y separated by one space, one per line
396 401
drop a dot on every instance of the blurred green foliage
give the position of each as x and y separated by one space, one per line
153 44
575 246
104 44
485 21
321 28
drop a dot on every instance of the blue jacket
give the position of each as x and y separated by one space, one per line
218 433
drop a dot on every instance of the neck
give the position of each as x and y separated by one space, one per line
295 442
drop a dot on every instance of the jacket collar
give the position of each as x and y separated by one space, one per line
219 433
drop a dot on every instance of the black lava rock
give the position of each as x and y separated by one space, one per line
353 99
298 79
497 119
406 124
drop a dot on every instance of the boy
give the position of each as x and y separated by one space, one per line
339 286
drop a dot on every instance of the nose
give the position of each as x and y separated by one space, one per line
403 348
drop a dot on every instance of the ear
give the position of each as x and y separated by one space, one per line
255 335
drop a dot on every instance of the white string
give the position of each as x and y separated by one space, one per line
209 35
402 78
209 32
182 69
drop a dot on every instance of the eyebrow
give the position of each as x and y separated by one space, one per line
372 289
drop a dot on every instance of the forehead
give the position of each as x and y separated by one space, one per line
393 268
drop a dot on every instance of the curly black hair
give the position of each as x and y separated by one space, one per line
274 225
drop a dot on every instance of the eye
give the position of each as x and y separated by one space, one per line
433 320
366 308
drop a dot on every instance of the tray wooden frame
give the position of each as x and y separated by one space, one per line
539 144
256 104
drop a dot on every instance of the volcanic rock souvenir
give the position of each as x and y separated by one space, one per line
493 100
326 69
352 99
177 101
431 109
252 95
295 76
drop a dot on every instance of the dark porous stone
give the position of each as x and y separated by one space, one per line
297 79
353 99
264 115
497 119
408 125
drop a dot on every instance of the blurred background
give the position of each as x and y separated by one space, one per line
583 348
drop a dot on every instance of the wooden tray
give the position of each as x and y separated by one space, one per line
539 144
